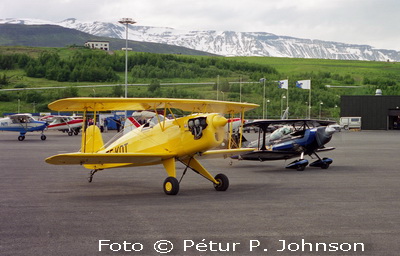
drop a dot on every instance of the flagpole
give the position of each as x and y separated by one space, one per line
309 102
287 100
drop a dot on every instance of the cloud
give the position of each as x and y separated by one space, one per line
373 22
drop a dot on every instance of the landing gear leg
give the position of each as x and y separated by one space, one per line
221 182
92 172
301 168
299 165
322 163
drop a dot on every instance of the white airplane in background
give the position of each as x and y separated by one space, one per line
69 124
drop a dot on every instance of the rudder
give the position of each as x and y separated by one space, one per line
92 140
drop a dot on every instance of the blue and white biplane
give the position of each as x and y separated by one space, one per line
290 138
22 123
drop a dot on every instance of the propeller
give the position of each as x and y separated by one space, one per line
324 135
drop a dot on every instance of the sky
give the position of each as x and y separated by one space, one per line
370 22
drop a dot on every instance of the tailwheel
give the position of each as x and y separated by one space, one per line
171 186
223 182
92 172
21 138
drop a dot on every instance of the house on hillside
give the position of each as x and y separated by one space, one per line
102 45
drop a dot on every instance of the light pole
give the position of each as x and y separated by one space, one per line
126 22
283 97
240 88
217 86
320 108
263 80
266 109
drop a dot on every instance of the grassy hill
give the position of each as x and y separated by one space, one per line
358 70
167 72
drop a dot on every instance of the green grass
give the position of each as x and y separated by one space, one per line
324 71
289 67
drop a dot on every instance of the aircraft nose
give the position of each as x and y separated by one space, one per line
330 130
219 121
324 135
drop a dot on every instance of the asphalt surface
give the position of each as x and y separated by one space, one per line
352 207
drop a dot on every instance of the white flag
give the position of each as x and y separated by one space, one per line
304 84
284 84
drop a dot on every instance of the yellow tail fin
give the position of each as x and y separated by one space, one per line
92 141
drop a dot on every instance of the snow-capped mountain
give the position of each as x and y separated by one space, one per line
228 43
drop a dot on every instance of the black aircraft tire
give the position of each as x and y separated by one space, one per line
325 166
171 186
69 133
223 182
21 138
43 137
300 168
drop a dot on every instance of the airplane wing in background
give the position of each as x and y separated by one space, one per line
225 153
265 155
263 124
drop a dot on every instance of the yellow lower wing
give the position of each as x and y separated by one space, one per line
108 158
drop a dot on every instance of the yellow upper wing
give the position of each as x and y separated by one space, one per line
108 104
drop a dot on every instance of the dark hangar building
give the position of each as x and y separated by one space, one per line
377 112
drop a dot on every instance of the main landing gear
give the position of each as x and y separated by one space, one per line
21 137
171 184
301 164
73 131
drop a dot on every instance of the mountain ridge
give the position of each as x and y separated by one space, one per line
228 43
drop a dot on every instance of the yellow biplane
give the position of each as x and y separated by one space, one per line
184 139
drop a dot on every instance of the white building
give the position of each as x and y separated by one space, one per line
102 45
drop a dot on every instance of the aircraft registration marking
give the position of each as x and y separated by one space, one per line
119 149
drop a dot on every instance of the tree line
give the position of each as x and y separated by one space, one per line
98 66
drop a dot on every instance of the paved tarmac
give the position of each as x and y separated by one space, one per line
352 208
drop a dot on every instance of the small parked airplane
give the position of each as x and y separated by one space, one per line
69 124
292 138
22 123
184 139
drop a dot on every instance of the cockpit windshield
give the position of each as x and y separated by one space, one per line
16 119
281 133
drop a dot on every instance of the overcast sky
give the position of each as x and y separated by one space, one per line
371 22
